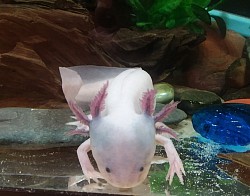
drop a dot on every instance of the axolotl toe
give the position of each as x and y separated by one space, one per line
122 128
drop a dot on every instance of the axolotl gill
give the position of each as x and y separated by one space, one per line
122 126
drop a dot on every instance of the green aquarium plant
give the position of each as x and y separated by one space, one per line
159 14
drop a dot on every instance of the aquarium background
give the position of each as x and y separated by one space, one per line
240 7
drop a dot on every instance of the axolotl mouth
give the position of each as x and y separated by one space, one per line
129 179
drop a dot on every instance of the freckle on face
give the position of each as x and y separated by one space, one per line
108 170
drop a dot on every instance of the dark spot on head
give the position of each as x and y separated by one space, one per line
141 169
108 170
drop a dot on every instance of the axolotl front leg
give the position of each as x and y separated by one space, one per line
85 147
87 168
175 162
96 107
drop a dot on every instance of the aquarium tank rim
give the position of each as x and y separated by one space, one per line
237 23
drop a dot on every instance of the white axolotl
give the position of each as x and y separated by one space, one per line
122 128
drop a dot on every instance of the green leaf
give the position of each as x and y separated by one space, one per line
201 13
221 25
170 23
183 14
166 7
141 24
158 14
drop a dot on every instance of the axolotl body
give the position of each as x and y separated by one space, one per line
122 128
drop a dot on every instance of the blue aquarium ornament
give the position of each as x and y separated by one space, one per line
226 124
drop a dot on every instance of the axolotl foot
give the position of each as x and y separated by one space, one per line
175 163
87 168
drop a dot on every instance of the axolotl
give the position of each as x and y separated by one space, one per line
122 126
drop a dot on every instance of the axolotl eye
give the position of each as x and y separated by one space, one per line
141 169
108 170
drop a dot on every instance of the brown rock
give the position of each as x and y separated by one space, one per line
34 42
243 93
215 55
156 51
238 74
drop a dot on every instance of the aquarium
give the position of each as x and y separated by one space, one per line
127 97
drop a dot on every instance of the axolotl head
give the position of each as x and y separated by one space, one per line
123 148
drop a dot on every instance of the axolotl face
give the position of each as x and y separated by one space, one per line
123 148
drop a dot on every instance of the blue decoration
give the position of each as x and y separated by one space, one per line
227 124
